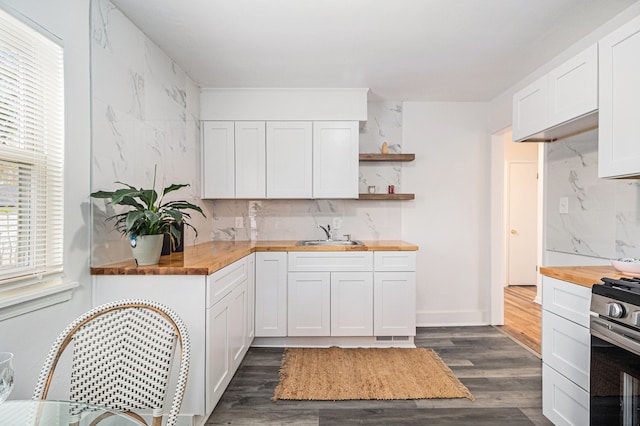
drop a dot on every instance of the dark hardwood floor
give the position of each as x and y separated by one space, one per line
522 316
504 377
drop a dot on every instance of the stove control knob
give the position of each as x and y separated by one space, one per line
615 310
635 318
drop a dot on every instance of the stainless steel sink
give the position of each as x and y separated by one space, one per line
338 243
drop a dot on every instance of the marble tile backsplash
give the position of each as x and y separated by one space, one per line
145 112
604 214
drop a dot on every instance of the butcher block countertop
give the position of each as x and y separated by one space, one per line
585 276
206 258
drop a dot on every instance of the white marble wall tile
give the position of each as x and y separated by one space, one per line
145 113
604 214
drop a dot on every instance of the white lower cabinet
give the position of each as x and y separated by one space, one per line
563 402
565 352
351 304
309 304
216 311
394 294
251 297
271 294
341 294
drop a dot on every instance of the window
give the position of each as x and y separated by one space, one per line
31 153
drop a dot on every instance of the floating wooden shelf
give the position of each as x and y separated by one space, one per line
387 157
386 196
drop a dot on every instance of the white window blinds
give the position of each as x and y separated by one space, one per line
31 153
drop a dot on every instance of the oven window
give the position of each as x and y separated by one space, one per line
615 385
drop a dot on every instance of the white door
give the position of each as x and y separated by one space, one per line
335 159
250 159
351 304
218 175
521 219
309 304
217 352
289 159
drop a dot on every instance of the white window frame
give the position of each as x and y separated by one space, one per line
31 137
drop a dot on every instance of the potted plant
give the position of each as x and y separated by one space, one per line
148 218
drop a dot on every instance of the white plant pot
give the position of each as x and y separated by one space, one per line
146 249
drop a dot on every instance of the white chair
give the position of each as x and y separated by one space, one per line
122 357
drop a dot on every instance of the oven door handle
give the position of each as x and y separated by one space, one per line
623 337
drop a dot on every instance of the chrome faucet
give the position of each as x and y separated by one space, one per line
327 231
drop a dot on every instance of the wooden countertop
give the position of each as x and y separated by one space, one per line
206 258
585 276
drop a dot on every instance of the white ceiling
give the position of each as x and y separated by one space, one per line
431 50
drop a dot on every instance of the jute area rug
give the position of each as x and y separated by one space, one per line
332 374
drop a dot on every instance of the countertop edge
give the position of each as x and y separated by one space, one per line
225 253
585 276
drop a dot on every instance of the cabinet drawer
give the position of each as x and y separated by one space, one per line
309 261
563 402
223 281
394 261
566 348
570 301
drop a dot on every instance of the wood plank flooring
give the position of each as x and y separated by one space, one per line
522 316
504 377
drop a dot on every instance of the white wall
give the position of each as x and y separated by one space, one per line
29 336
449 218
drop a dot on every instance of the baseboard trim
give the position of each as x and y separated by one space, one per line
451 318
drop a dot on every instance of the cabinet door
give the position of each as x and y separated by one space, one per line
566 346
309 304
219 369
218 159
563 402
237 325
530 109
619 127
251 298
271 294
352 304
250 167
335 159
289 159
394 302
573 87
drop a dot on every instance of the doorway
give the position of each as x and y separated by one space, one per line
516 160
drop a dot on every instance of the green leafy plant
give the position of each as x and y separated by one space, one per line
148 215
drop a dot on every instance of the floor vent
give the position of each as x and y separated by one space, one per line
392 338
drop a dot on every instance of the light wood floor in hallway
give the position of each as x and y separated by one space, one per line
522 316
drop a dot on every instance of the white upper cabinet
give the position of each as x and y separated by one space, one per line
218 174
560 103
250 158
530 114
335 159
289 159
619 148
573 87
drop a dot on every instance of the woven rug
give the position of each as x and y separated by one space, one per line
332 374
